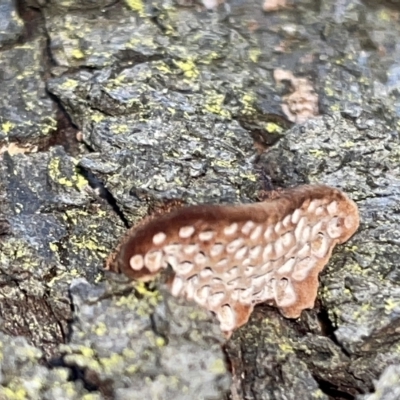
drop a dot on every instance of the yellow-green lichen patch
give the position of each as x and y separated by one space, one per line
53 247
384 15
131 369
273 128
188 67
363 314
74 216
7 393
152 296
198 315
209 57
392 305
162 67
142 302
18 252
84 362
100 329
215 104
347 144
64 277
286 347
137 42
129 353
248 100
69 84
97 117
119 129
89 240
91 396
113 363
335 107
76 179
129 301
329 91
89 243
7 126
78 54
318 394
218 366
136 5
48 125
254 54
317 153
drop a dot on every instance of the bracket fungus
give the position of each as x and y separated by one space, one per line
230 258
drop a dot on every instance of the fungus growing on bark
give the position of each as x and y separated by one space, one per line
230 258
302 103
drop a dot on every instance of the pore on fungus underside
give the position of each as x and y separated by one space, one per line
230 258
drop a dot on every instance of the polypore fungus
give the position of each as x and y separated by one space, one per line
230 258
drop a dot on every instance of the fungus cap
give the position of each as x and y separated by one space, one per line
230 258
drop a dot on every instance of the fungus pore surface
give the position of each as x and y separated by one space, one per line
230 258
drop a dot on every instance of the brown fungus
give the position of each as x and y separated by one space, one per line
230 258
